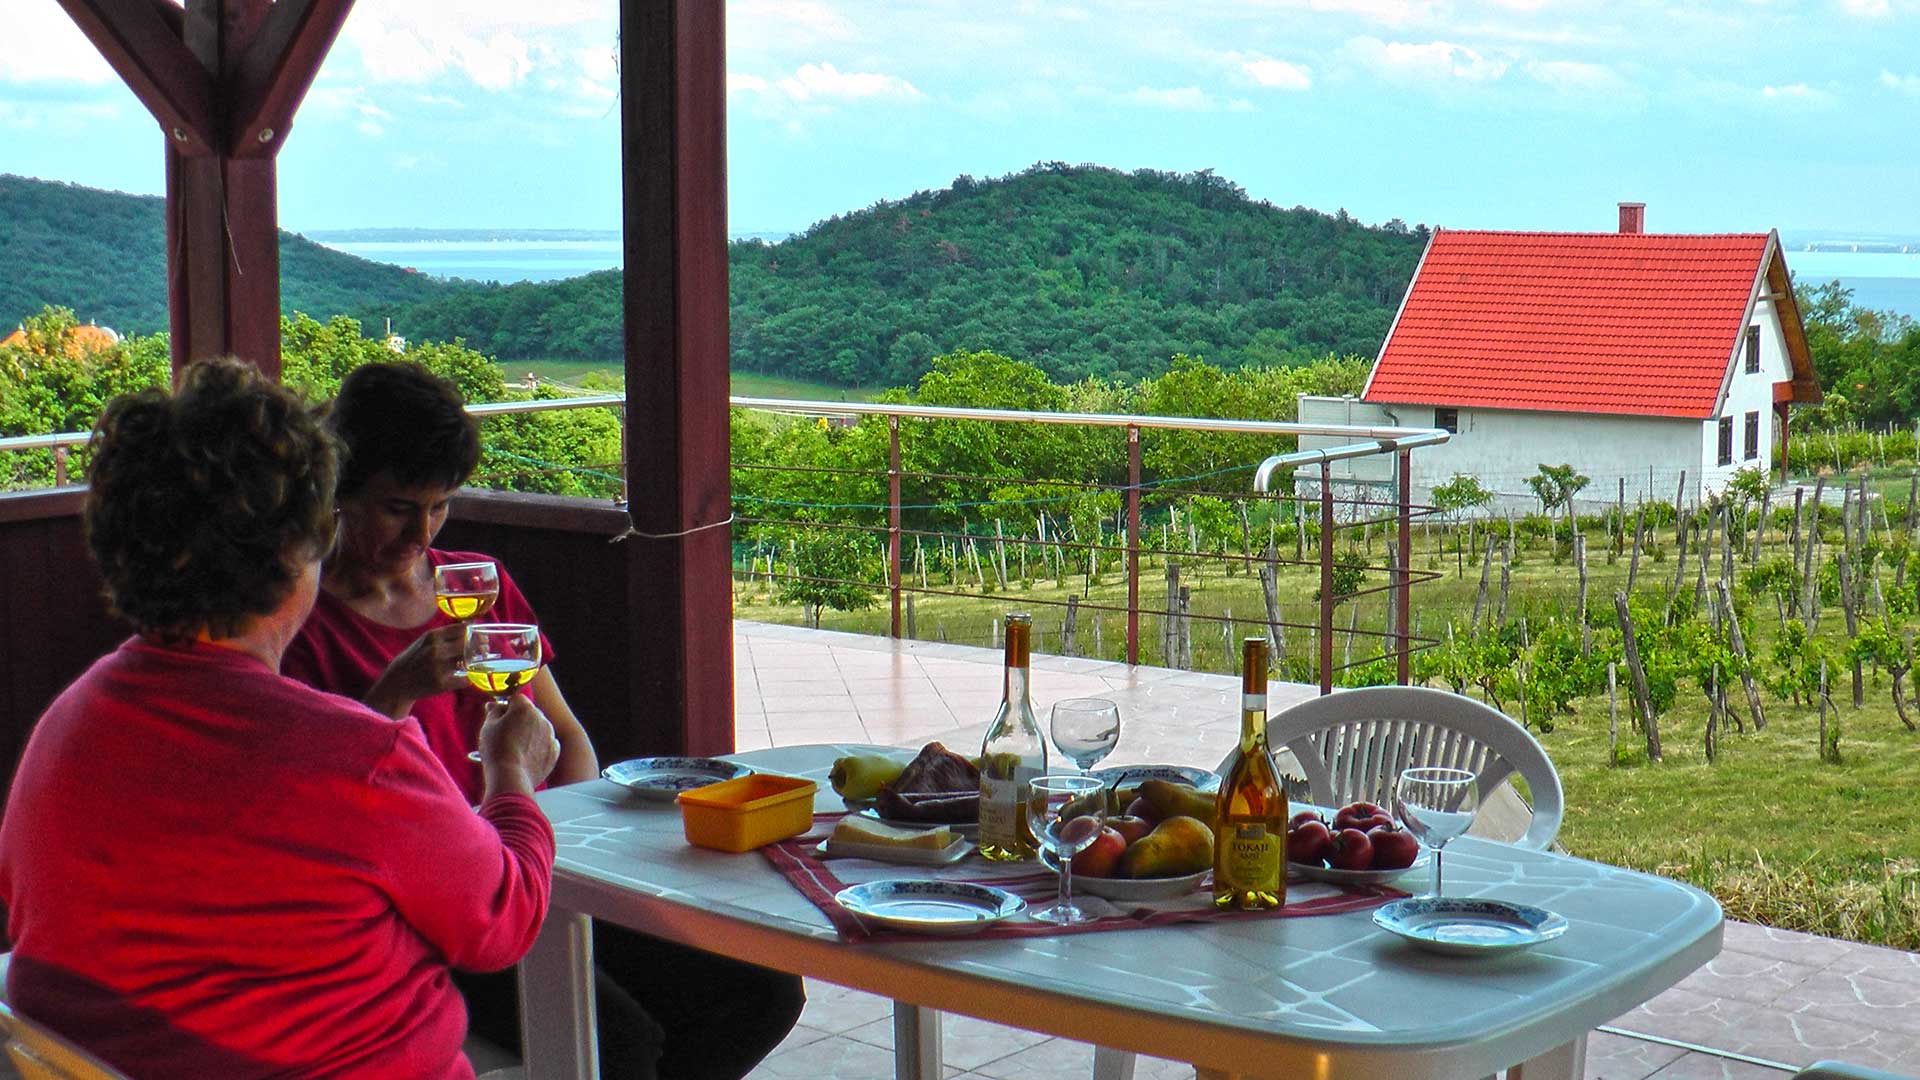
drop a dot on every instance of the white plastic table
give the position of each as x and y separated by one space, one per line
1326 996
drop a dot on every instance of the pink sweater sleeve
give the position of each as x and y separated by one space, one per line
474 885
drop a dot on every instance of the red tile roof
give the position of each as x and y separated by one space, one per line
1635 323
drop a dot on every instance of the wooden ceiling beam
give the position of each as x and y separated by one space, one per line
275 71
142 44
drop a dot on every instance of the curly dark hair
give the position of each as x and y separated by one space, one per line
399 417
206 504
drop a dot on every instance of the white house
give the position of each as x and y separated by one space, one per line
1634 357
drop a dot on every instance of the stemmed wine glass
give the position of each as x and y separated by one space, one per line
1047 798
464 591
501 658
1086 729
1436 805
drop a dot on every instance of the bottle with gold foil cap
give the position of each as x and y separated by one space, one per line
1012 753
1250 813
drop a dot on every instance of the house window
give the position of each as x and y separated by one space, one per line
1753 436
1726 440
1753 350
1447 418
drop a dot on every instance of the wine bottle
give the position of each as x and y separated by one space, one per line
1250 813
1012 753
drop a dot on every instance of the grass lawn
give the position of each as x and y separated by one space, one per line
744 384
1777 835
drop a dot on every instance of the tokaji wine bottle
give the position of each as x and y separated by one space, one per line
1012 753
1250 813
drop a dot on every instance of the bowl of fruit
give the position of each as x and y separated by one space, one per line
1360 845
1162 847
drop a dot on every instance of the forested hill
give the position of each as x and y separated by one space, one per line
1081 270
103 254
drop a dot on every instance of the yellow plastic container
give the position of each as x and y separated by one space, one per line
743 814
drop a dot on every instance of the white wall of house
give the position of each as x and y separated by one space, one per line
1749 393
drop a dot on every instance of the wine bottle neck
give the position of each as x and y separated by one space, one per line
1015 690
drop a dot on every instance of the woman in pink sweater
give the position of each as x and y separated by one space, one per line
213 870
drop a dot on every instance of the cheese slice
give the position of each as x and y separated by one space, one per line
854 829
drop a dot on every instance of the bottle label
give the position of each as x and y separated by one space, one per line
1253 857
1000 809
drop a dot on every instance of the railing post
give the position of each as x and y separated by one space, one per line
893 518
1402 585
59 466
1326 577
1133 544
621 414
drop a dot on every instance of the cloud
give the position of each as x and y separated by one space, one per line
495 45
1906 84
1866 9
755 25
822 83
1384 12
1432 63
43 45
1272 74
1178 99
1795 94
1574 76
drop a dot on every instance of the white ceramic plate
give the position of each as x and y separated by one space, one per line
929 907
1357 877
1128 889
952 853
665 777
1468 927
964 828
1120 776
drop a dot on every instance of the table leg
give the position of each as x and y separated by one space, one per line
556 1002
916 1042
1568 1062
1111 1064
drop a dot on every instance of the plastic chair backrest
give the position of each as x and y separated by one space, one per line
39 1054
1353 743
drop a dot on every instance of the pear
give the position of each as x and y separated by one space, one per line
1176 799
859 776
1177 846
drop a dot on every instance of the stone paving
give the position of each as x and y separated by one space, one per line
1775 997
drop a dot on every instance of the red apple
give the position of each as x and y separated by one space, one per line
1080 830
1351 851
1393 849
1143 810
1368 824
1102 857
1303 817
1347 816
1311 843
1130 828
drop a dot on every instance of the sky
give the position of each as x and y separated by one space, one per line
1740 115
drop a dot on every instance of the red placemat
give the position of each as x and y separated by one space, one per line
820 879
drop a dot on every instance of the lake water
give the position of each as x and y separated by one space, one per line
1880 281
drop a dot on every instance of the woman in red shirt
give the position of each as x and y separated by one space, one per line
213 870
376 635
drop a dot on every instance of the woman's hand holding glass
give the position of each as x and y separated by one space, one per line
516 743
1048 798
501 658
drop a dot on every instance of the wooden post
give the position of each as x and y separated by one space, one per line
1068 631
1639 532
893 524
1186 628
1580 611
1133 544
1506 577
1269 591
1642 701
1613 713
1679 567
1679 511
1170 624
1480 595
1847 604
1739 645
910 631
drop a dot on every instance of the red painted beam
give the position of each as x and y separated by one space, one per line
144 46
673 155
275 71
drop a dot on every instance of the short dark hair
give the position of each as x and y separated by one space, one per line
399 417
205 504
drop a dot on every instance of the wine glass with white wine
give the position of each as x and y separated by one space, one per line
501 658
465 591
1436 805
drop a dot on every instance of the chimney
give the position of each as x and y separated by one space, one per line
1633 217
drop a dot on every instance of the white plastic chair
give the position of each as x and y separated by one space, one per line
39 1054
1354 743
1839 1070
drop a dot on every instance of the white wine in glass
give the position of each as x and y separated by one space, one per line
465 591
502 657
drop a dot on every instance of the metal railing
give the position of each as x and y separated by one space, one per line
1367 440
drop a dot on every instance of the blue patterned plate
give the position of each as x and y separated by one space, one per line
1464 926
663 778
929 907
1124 776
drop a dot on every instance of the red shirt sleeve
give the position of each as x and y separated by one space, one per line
474 885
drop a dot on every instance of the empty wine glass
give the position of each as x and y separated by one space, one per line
465 591
1047 798
1436 805
1086 729
501 658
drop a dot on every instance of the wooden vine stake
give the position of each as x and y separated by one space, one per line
1642 701
1580 559
1613 714
1739 644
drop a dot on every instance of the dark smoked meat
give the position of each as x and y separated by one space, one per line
937 769
937 787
